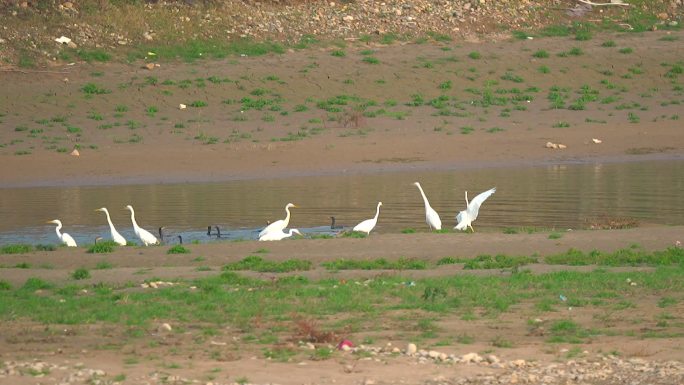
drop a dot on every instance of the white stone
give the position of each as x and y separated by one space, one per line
411 349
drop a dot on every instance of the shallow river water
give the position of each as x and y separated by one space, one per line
556 196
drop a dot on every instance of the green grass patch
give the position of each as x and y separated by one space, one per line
622 257
94 89
376 264
499 261
178 249
16 248
204 49
102 247
257 263
80 273
93 55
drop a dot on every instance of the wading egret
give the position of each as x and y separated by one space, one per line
431 216
64 237
466 217
369 224
145 236
115 234
279 225
278 235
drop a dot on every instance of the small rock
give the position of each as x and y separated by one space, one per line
149 66
411 349
596 141
182 106
348 18
471 357
518 363
492 359
165 327
75 153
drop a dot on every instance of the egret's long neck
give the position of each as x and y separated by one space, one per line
59 226
135 224
287 217
109 220
427 204
466 196
377 212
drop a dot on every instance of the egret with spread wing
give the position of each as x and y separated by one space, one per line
466 217
278 235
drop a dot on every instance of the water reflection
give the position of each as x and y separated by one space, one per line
557 196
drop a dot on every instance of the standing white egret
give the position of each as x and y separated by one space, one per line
278 235
369 224
115 234
466 217
279 225
431 216
64 237
145 236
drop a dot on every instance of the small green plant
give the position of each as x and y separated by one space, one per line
18 248
555 236
608 44
541 54
80 273
625 50
178 249
370 60
94 89
198 104
338 53
474 55
465 130
102 247
103 265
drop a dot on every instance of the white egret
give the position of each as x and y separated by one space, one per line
369 224
431 216
115 234
64 237
278 235
279 225
145 236
466 217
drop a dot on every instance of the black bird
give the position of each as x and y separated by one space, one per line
180 239
333 226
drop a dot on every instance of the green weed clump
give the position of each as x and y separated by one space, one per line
376 264
80 273
94 89
102 247
497 262
622 257
178 249
18 248
257 263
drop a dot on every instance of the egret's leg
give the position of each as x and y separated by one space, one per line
471 228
